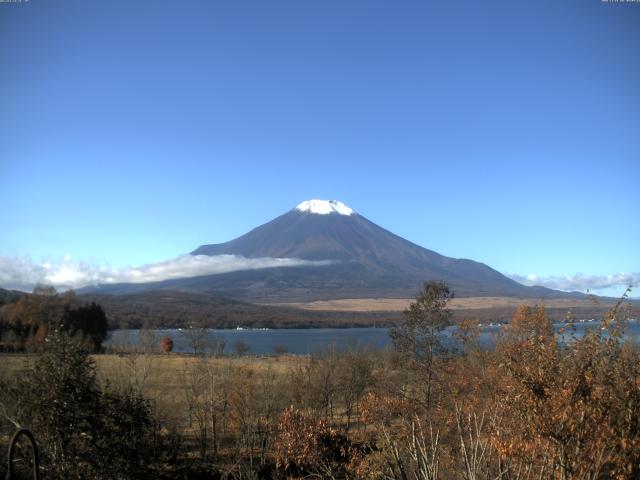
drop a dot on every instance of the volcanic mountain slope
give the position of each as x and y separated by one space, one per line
359 259
9 296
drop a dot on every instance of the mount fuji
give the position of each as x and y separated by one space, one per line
343 255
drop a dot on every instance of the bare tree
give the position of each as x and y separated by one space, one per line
280 349
195 336
240 347
417 337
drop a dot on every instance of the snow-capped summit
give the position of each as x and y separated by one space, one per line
324 207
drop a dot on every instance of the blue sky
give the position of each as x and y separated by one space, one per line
505 132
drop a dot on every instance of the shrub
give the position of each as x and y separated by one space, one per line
81 431
166 344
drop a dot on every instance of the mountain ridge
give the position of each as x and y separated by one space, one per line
364 260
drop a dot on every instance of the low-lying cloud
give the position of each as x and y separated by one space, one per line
580 282
23 274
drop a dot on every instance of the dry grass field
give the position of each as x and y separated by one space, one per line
399 304
183 389
179 387
164 378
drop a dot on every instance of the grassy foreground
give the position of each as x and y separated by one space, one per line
528 409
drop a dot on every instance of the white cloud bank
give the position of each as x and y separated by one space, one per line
580 282
23 274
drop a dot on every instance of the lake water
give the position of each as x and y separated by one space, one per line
306 341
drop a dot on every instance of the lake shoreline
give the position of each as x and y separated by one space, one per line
309 340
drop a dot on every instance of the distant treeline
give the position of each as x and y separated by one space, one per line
180 310
26 320
167 309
